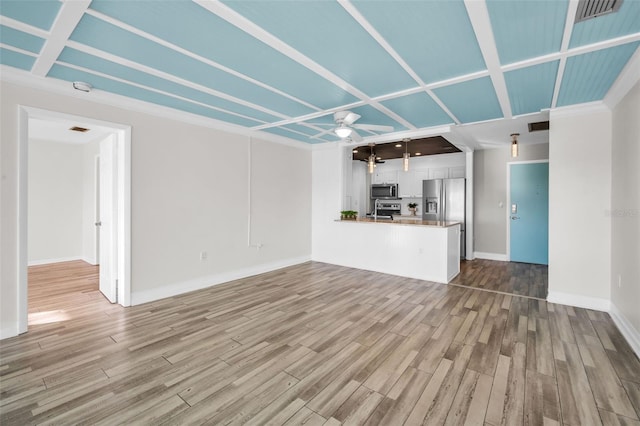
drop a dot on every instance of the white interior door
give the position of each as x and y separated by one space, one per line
107 219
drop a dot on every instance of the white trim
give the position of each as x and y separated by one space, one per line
174 289
481 23
68 18
23 78
56 260
578 109
490 256
9 331
24 27
626 80
629 332
579 301
508 209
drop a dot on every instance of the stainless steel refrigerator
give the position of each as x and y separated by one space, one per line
445 200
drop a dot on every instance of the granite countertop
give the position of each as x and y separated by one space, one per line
411 222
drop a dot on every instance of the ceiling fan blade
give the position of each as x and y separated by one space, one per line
324 132
351 118
374 127
355 136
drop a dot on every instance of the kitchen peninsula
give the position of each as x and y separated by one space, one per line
426 250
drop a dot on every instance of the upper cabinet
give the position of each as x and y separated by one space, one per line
438 173
410 183
457 172
385 176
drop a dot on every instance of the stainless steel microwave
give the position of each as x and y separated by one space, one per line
384 191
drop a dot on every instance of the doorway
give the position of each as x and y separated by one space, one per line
114 167
528 212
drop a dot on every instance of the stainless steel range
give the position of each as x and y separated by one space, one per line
385 209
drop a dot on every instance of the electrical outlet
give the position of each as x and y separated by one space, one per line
203 255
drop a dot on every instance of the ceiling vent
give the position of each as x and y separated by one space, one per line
538 126
588 9
79 129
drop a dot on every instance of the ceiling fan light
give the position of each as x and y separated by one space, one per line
343 132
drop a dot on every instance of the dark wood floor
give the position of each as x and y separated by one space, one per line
313 344
524 279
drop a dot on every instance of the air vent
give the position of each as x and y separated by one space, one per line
540 125
588 9
79 129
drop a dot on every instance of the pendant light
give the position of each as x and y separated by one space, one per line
514 144
372 160
405 156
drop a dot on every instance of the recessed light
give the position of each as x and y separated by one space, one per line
355 151
398 145
378 158
418 153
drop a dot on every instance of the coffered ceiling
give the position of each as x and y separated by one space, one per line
284 66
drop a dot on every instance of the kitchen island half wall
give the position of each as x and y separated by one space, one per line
426 250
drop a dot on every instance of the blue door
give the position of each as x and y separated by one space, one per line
529 213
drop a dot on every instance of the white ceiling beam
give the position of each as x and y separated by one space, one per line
192 55
18 50
566 38
21 26
234 18
355 14
68 18
481 23
169 77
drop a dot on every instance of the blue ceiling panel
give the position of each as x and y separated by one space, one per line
85 60
101 83
370 115
20 39
326 24
211 37
471 101
531 89
526 29
588 77
434 37
419 109
283 131
16 60
625 21
40 14
97 33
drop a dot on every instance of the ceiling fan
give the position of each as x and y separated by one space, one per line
346 129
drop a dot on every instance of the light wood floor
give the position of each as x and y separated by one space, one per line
313 344
524 279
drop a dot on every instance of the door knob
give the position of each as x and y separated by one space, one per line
515 217
98 223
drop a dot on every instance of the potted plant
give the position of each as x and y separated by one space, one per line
412 208
348 215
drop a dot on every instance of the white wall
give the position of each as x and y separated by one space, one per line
189 194
490 196
55 201
625 215
579 202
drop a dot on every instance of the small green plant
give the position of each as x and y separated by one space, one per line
412 205
348 214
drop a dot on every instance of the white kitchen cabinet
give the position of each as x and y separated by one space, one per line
439 173
386 176
410 183
457 172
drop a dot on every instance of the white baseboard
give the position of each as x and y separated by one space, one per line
595 303
490 256
90 260
626 328
58 260
145 296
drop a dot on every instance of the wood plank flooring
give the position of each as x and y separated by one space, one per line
313 344
523 279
